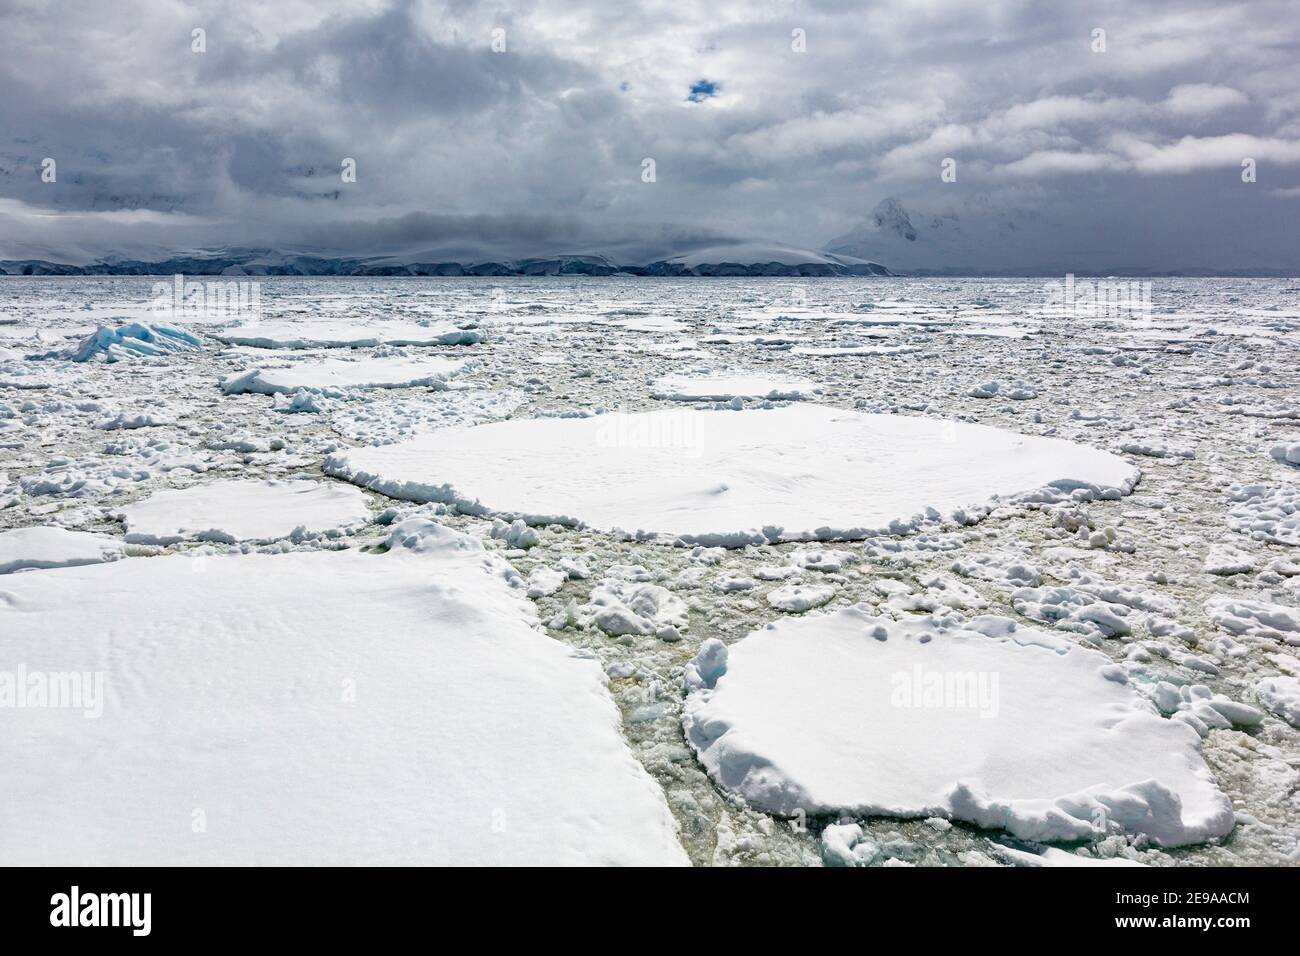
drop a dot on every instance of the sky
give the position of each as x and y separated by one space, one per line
526 127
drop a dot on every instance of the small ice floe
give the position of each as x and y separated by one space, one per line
724 388
1225 560
300 402
125 342
1281 696
997 725
544 581
845 844
126 421
333 376
1256 619
245 510
1266 513
842 351
1153 448
1287 452
1202 709
1016 391
51 547
622 607
1071 609
1002 568
335 334
515 534
797 598
1054 856
730 478
275 701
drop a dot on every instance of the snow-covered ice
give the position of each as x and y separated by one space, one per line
315 708
735 477
131 341
332 375
1184 577
47 546
1266 513
1281 696
993 724
722 388
241 510
332 334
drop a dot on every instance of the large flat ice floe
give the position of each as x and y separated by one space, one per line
335 375
24 549
997 725
245 510
337 334
314 708
802 472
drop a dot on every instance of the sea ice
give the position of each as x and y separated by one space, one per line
315 708
723 388
1258 619
51 547
1281 696
1266 513
797 598
334 334
802 472
990 723
135 340
1287 453
336 375
245 510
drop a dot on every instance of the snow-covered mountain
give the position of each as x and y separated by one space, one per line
945 242
763 259
729 259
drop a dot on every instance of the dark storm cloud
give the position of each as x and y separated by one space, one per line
528 122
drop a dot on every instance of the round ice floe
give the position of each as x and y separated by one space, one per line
336 375
997 725
231 511
29 548
802 472
318 708
333 334
723 388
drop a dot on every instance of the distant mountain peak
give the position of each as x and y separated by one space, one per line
889 215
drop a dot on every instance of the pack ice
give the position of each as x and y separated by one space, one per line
989 722
722 388
341 334
25 549
803 472
316 708
130 341
334 375
245 510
